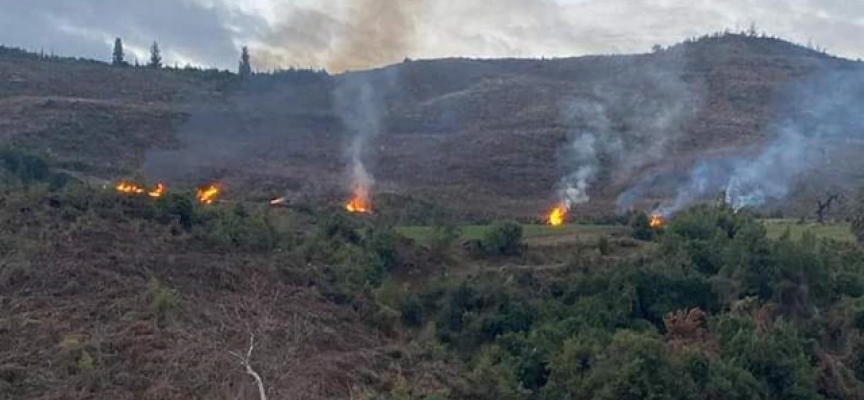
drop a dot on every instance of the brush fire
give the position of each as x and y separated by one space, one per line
157 191
657 222
126 187
557 216
359 203
208 194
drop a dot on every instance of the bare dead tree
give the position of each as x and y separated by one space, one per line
246 362
823 206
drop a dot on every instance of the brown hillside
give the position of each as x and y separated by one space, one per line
479 136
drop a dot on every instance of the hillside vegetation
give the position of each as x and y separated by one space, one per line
478 137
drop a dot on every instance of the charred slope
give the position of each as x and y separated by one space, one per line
484 136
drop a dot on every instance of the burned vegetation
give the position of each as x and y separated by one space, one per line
396 244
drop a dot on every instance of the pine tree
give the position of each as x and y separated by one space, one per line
245 66
119 58
155 56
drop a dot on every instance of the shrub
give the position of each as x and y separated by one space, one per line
443 237
858 228
412 311
239 229
29 168
164 301
604 247
640 225
503 238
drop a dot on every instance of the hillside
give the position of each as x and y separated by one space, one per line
484 137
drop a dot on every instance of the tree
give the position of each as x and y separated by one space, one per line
245 66
823 206
503 238
119 57
155 56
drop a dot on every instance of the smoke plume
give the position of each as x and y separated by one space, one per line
820 120
623 125
359 102
379 32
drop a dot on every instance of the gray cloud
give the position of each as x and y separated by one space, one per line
354 34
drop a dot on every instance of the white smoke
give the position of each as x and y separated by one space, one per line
626 124
821 117
359 102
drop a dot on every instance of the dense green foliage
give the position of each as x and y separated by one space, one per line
718 311
27 168
503 238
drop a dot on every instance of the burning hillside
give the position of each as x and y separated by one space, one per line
208 194
558 215
360 202
130 188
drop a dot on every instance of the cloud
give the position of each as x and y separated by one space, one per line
353 34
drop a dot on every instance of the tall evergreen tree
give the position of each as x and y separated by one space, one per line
245 66
119 57
155 56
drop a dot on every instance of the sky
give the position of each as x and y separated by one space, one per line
344 35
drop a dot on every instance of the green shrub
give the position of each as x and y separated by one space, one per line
29 168
163 300
443 237
858 229
503 238
604 247
237 229
412 311
640 225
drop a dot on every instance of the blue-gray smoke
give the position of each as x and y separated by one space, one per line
621 125
819 119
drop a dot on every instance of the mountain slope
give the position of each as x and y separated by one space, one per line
485 137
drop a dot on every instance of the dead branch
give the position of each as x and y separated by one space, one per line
247 363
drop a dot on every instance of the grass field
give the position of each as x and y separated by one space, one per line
423 234
840 231
776 228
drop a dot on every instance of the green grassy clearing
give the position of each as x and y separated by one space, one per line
777 227
423 234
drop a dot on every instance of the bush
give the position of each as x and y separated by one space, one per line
858 229
640 225
412 311
164 301
604 247
503 238
29 168
238 229
443 237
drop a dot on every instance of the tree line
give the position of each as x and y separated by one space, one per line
118 58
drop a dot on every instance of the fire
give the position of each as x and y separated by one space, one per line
657 222
557 215
208 194
360 203
278 202
128 188
157 191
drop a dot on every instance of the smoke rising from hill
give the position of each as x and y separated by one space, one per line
359 102
622 125
819 119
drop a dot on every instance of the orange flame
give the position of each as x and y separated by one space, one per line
128 188
208 194
279 201
657 222
157 191
360 203
558 215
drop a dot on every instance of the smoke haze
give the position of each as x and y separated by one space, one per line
819 120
